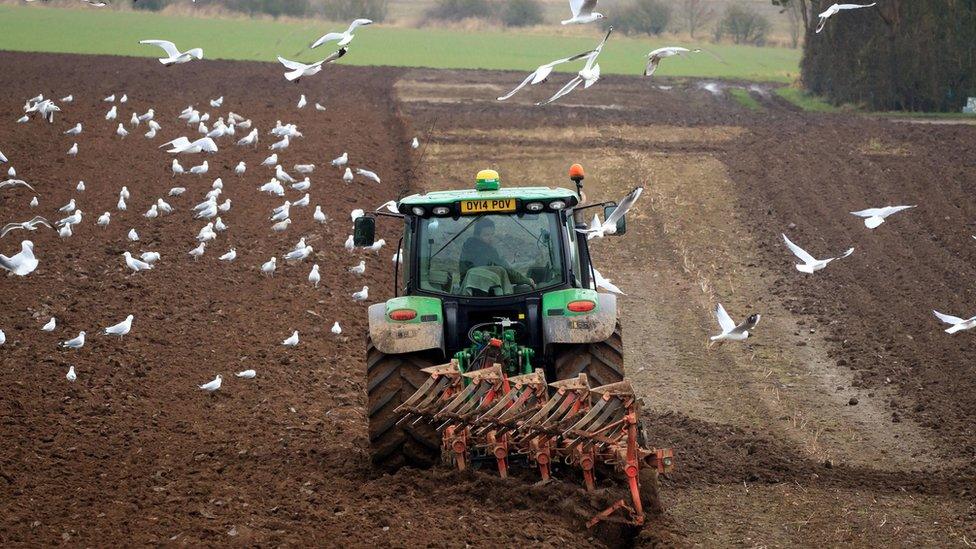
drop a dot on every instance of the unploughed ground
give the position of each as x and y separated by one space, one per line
770 450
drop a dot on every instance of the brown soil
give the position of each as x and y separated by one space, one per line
769 451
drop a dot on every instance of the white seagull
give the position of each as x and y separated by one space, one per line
247 374
292 340
654 58
298 70
957 324
212 385
368 175
873 217
120 329
71 375
609 225
810 264
587 76
540 74
341 160
731 332
582 12
75 343
835 9
361 295
50 325
313 276
135 264
173 55
269 267
344 38
21 264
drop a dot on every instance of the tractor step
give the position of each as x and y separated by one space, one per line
486 412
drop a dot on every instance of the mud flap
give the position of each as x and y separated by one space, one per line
394 338
582 328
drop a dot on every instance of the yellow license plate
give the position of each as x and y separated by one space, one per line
490 205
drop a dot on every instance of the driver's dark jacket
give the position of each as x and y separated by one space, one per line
475 253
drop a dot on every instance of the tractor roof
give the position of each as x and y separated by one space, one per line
525 194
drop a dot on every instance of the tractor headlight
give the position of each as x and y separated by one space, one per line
535 206
418 211
441 210
557 204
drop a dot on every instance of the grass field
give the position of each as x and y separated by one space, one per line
94 31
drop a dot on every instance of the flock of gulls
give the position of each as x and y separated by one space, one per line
227 128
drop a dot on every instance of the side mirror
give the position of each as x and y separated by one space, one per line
364 231
621 223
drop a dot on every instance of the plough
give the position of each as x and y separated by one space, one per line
486 412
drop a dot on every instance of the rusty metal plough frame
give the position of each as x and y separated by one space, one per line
488 413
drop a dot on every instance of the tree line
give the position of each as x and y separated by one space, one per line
916 55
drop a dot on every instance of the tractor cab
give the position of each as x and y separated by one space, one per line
475 256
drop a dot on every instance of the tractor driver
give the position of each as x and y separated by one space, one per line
479 251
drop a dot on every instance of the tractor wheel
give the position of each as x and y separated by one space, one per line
602 362
390 380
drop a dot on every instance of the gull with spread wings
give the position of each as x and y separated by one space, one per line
587 76
541 74
298 70
609 225
173 55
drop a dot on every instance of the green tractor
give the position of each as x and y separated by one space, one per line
495 323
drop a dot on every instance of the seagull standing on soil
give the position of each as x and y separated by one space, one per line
835 9
341 160
587 76
957 324
810 264
75 343
361 295
135 264
313 276
50 325
873 217
347 177
71 375
582 12
212 386
344 38
319 216
73 151
654 58
120 329
173 55
731 332
197 252
292 340
298 70
540 74
358 270
269 267
336 329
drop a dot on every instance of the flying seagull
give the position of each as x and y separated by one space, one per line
297 70
540 74
958 324
11 183
835 9
30 225
874 217
587 76
810 264
731 332
582 12
654 58
609 225
344 38
184 145
173 55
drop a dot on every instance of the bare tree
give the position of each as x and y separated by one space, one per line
696 14
794 14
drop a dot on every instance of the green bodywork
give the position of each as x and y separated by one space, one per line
525 194
428 308
557 301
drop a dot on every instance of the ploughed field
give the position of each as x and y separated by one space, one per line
770 449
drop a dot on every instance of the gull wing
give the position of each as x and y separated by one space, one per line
870 212
570 86
206 144
575 6
724 320
38 220
326 38
292 65
847 253
891 210
16 183
625 204
168 47
948 319
10 227
652 63
358 23
524 83
178 143
853 6
800 252
596 51
587 7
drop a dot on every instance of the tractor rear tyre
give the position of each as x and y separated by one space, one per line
602 362
390 380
